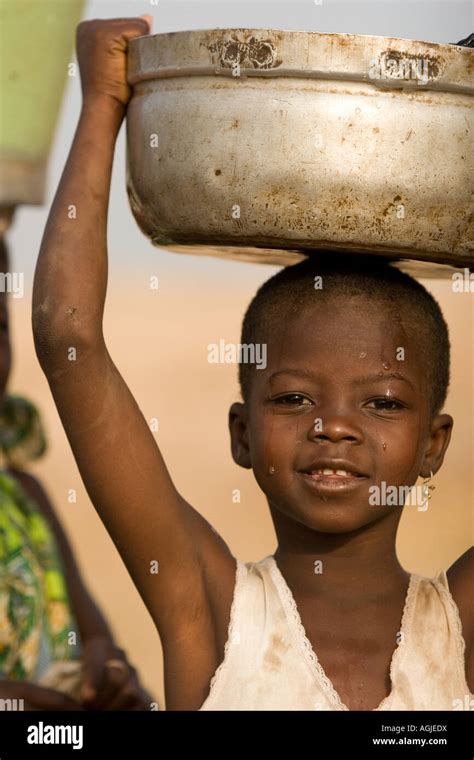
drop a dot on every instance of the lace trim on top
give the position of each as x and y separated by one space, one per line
294 619
442 585
232 635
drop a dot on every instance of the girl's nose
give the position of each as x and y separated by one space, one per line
334 428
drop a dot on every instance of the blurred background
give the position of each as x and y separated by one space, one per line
158 338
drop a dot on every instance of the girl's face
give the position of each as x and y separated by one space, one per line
344 390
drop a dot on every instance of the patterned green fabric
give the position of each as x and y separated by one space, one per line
35 612
22 437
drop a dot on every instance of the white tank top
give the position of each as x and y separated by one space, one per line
269 663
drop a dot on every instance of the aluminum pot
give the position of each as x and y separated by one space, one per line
264 145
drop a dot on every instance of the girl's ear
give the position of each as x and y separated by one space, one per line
440 435
238 435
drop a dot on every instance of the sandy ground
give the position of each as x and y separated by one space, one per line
159 341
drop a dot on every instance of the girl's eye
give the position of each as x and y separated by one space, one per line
293 399
385 403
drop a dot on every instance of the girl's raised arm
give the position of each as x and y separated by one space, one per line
179 564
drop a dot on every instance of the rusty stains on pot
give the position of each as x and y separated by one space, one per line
259 54
399 64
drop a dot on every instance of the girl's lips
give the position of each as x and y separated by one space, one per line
329 474
333 481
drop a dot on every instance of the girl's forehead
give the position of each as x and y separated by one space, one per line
337 342
337 324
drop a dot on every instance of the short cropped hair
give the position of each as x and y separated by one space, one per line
293 289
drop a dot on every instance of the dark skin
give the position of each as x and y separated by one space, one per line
381 426
104 688
148 519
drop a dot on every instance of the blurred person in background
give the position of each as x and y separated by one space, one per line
56 649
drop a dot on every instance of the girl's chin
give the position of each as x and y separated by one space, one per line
331 518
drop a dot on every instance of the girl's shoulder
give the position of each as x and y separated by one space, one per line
461 582
461 585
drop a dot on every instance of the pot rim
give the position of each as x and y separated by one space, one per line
274 53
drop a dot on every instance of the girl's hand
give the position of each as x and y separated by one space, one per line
37 697
110 682
101 47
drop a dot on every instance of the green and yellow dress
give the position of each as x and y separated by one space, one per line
37 625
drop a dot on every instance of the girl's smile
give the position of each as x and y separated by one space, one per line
327 481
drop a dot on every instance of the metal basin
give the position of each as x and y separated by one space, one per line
263 145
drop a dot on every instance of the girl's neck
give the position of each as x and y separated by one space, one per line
357 566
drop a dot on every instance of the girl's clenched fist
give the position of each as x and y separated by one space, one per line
101 47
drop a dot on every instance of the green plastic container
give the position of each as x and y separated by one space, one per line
37 43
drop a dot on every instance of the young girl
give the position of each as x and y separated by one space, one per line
56 649
349 401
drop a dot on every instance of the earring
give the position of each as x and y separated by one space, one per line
271 470
427 487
